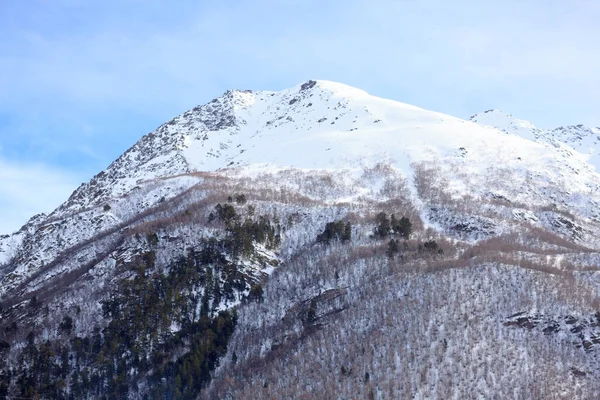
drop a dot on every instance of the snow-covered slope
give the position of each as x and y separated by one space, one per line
509 124
583 139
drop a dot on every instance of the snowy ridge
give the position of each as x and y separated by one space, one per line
583 139
508 124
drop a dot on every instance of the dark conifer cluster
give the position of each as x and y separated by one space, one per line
336 230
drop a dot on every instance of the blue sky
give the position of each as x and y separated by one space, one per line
82 80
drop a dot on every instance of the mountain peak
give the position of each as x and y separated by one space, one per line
317 124
332 87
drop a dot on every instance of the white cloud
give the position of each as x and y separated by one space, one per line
29 189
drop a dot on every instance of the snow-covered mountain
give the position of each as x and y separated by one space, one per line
229 204
318 125
327 125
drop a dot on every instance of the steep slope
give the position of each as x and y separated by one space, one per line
146 261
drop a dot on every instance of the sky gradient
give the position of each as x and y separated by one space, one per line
82 80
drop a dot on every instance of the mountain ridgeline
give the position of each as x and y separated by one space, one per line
316 242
